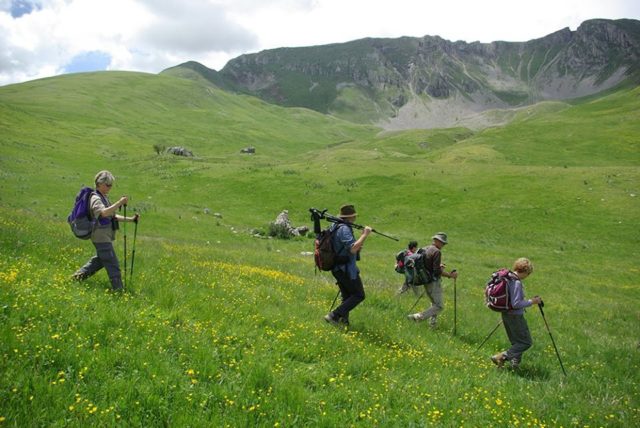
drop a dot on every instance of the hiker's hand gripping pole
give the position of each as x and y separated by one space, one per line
317 214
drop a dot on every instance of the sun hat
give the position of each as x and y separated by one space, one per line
441 236
347 211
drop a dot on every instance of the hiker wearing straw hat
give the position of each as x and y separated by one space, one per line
347 274
434 266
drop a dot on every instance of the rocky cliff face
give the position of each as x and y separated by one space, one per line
431 82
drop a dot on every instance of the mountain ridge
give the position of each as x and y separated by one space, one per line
430 82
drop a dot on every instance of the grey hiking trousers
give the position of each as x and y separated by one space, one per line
434 292
519 336
105 258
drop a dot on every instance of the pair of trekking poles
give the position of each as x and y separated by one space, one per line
133 250
540 306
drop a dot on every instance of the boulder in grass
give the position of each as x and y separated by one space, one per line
180 151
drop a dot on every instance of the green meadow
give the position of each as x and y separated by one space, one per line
222 326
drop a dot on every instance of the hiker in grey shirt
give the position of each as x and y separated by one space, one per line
514 322
104 232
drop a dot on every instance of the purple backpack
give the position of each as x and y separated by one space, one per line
496 292
80 218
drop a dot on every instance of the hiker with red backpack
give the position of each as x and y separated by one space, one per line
104 231
346 273
513 317
435 270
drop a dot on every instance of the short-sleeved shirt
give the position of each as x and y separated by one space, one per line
101 232
343 240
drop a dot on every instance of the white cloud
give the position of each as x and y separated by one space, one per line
150 35
194 26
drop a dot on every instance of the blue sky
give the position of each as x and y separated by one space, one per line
88 61
22 7
41 38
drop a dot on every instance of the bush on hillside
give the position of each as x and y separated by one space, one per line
158 148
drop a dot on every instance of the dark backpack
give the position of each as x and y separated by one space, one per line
416 272
496 292
400 261
80 218
325 255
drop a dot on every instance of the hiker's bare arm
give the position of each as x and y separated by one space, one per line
129 219
358 244
110 210
453 274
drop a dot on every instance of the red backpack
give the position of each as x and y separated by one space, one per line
496 292
324 254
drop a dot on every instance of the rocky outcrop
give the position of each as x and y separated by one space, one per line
180 151
394 75
282 227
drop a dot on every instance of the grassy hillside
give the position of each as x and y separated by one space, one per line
222 328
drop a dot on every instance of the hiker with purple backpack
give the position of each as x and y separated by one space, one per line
104 231
513 318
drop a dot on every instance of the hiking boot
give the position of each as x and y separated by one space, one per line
343 321
330 319
433 322
414 317
499 359
79 276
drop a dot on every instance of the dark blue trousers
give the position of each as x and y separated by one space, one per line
351 291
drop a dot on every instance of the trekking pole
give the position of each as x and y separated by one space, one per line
125 246
455 304
540 305
334 301
133 250
419 297
492 331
